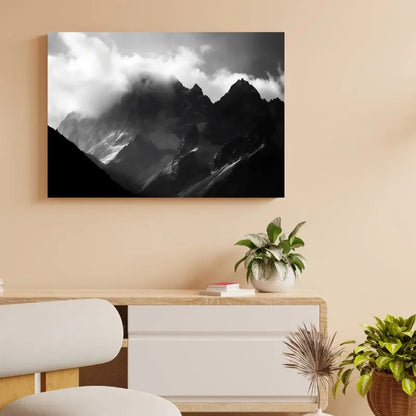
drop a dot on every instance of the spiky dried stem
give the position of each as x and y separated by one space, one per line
312 354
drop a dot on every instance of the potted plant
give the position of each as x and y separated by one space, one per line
271 262
313 355
386 362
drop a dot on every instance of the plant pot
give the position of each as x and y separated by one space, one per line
275 283
386 397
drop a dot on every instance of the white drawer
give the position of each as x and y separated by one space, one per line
213 367
229 319
215 353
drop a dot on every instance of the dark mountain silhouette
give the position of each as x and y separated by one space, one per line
257 174
136 162
187 145
240 111
188 166
73 174
157 111
163 139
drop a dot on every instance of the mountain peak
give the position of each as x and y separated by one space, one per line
243 85
241 91
196 90
242 81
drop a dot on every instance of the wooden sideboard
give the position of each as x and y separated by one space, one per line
209 354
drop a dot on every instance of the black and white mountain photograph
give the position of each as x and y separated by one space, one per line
166 114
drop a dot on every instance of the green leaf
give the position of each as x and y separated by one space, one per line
351 341
380 324
296 242
276 252
396 368
335 388
251 255
408 386
256 270
394 330
246 243
299 256
298 262
364 384
344 389
382 362
296 229
359 349
346 362
345 378
281 268
409 333
273 231
359 359
410 322
268 269
248 271
285 246
238 263
277 221
393 347
297 270
259 240
296 256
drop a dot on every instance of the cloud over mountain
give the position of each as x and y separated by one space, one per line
90 75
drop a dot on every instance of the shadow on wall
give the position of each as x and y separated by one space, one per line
41 104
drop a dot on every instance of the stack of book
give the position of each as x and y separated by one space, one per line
226 289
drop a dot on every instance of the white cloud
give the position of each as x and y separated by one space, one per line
92 75
205 48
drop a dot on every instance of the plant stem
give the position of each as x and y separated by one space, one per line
319 395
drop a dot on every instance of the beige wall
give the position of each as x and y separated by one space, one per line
351 147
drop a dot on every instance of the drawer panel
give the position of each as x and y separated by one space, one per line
229 319
213 366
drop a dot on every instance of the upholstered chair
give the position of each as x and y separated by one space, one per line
47 337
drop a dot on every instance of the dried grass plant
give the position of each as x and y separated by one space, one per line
313 355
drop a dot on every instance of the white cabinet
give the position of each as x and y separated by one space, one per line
217 355
209 354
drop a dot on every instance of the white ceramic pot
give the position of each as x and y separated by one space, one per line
276 283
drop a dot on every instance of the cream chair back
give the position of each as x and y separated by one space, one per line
49 336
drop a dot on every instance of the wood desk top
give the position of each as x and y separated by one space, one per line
160 297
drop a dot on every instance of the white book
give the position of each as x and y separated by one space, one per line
224 286
221 289
229 294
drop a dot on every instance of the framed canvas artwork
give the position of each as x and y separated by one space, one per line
165 114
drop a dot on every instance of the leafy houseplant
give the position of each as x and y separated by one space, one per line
386 362
272 254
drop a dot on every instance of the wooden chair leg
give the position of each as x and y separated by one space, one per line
13 388
55 380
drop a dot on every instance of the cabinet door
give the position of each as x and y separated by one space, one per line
215 353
